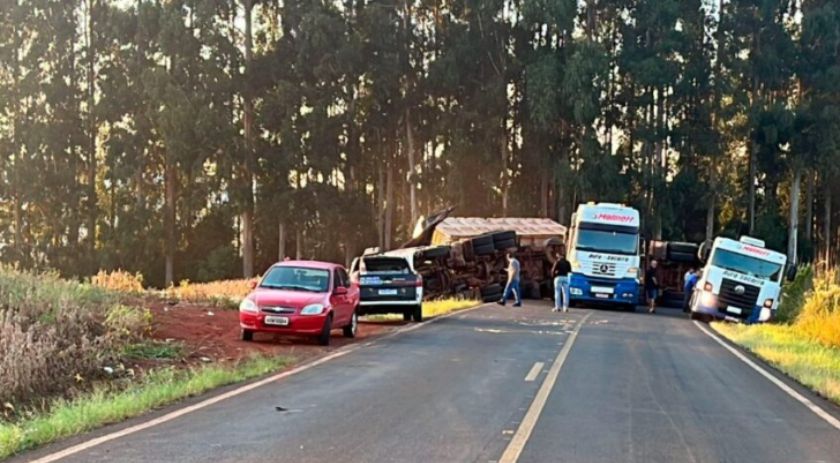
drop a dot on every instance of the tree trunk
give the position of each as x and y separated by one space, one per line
389 208
505 177
793 223
381 204
298 244
827 223
412 185
248 165
710 211
809 211
281 242
751 179
169 220
91 174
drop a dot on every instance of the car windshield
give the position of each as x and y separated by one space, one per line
611 242
297 279
747 265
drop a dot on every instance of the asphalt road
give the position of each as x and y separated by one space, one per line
634 387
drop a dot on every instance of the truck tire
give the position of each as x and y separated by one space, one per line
504 245
484 250
504 240
682 248
682 257
492 293
326 331
436 252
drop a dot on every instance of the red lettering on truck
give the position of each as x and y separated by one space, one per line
614 217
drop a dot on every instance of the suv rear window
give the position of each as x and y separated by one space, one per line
386 264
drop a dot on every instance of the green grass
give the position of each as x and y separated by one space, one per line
153 350
100 407
813 364
430 309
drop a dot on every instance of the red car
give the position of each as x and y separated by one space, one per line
301 298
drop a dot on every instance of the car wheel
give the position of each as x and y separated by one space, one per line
351 329
324 337
246 335
407 315
418 313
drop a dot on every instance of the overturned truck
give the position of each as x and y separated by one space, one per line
465 257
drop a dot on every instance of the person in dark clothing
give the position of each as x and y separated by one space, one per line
652 285
560 271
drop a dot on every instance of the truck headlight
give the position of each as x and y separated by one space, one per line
313 309
708 299
632 272
247 305
768 303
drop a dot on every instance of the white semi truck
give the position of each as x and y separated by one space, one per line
603 250
742 281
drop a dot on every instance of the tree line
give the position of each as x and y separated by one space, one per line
204 139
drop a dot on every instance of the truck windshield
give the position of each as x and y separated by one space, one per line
745 264
606 241
297 279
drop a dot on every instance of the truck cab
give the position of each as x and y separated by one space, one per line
603 250
742 281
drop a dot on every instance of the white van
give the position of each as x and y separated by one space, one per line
742 281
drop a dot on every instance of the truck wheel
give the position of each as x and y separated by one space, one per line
324 337
417 313
246 335
351 329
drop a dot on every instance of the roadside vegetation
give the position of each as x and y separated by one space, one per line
104 405
804 342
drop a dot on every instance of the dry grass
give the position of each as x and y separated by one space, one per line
819 318
119 281
56 335
226 293
431 309
811 363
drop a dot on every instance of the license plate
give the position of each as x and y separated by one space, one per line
387 292
734 310
602 296
277 321
602 289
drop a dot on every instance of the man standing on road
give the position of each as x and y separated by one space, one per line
512 281
652 285
560 271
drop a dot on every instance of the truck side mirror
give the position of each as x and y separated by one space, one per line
703 252
790 273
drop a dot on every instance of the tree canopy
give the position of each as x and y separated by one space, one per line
204 139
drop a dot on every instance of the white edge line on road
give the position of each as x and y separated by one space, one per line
535 371
523 433
830 419
227 395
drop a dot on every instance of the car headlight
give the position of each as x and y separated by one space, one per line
313 309
247 305
633 272
576 291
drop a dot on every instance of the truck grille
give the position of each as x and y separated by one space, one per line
729 296
603 269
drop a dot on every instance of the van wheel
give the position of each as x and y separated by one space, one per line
417 313
246 335
351 329
324 337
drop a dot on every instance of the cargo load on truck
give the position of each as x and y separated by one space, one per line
465 256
